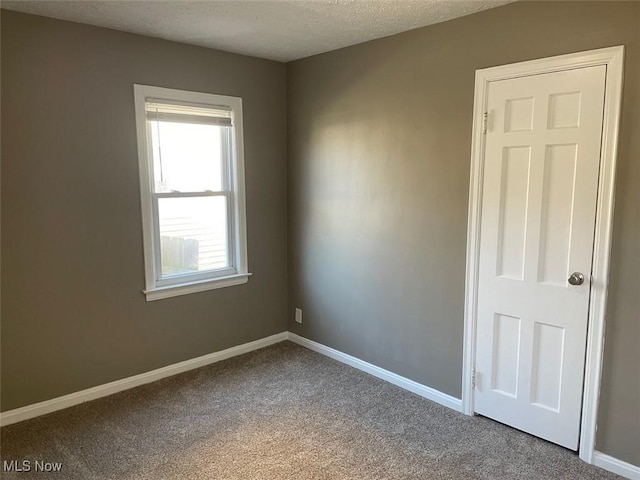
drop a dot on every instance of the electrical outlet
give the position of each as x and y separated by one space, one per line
298 315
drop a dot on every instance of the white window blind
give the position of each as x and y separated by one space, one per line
165 111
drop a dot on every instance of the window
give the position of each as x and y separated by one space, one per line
192 190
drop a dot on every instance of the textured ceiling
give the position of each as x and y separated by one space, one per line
280 30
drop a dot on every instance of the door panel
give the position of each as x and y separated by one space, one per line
513 213
557 212
542 154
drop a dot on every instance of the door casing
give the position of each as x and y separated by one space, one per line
613 59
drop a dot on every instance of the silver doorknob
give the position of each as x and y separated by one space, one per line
576 279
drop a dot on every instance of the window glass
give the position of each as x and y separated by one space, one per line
193 234
187 157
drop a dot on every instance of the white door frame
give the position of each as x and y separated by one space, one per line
613 58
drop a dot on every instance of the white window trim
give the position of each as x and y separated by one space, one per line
238 250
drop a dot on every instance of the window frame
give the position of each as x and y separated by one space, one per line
157 287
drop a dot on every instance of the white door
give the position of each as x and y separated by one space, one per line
542 153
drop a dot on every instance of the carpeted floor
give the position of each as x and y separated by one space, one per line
283 412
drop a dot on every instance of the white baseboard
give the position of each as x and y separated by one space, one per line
599 459
42 408
402 382
614 465
66 401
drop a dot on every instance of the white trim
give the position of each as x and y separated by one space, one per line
601 253
48 406
613 59
60 403
156 288
616 466
66 401
194 287
402 382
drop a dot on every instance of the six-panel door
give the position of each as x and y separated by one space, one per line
542 154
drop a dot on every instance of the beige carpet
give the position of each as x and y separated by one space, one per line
283 412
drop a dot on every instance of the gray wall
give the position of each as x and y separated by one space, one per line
379 139
73 315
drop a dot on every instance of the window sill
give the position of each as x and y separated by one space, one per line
194 287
